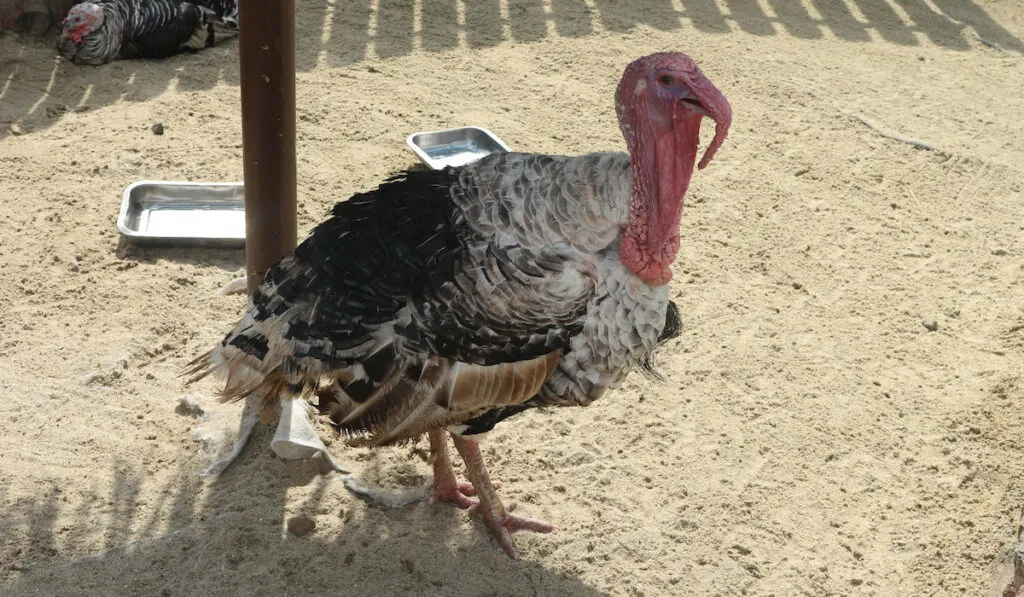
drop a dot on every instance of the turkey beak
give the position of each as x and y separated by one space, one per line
691 103
706 99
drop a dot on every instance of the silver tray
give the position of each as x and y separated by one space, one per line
209 214
455 147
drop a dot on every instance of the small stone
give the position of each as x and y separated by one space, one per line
158 128
16 129
301 525
999 252
188 406
930 324
797 286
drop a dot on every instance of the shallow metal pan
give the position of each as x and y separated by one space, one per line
455 147
173 213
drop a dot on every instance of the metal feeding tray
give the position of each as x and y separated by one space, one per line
455 147
205 214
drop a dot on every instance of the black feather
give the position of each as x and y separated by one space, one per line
673 328
489 419
405 244
162 27
254 344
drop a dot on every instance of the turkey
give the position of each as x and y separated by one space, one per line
104 30
451 300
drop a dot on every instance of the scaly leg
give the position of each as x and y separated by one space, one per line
497 517
447 487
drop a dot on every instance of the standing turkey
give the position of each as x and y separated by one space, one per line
104 30
452 300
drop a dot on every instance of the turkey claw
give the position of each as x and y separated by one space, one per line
504 528
457 494
468 489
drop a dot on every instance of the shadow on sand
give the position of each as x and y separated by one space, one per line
213 535
36 84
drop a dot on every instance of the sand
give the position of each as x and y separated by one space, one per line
813 437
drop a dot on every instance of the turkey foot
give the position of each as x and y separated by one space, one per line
504 527
447 487
499 518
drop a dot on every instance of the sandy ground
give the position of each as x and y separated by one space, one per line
813 437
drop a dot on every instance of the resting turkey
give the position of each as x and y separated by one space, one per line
103 30
452 300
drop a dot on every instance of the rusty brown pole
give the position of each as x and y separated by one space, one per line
266 49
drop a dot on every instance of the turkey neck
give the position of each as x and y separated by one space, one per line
662 161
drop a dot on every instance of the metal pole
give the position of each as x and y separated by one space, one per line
266 49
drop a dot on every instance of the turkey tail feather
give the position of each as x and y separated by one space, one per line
252 357
198 368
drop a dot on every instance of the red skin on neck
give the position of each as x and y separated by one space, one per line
662 133
87 25
660 179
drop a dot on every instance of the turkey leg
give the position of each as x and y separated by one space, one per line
447 487
495 514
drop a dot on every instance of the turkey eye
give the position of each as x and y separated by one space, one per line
666 80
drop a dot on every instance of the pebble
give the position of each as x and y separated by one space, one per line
301 525
930 324
188 406
158 128
16 129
